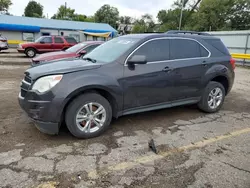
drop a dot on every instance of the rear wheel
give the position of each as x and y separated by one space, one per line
30 52
89 115
212 98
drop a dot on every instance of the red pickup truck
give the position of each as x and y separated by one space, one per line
46 44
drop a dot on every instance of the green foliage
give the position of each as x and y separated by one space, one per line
4 5
107 14
64 13
209 15
33 9
144 24
90 19
169 19
126 20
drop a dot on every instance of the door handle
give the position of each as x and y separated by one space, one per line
167 69
204 63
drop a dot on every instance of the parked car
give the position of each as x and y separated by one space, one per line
127 75
3 43
79 50
46 44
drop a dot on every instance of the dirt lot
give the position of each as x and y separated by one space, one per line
197 150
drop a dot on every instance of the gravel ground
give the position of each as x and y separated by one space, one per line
196 150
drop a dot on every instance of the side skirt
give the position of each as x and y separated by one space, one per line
161 106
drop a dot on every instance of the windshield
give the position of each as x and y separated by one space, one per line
76 47
111 50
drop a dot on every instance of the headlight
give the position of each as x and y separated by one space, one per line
46 83
20 46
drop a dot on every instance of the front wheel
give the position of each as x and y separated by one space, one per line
88 116
212 98
30 52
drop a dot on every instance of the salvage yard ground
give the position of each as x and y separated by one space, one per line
196 150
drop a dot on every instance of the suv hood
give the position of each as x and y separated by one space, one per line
60 67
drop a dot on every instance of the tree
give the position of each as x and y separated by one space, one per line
169 19
4 5
239 17
107 14
213 15
90 19
144 24
126 20
33 9
64 13
79 17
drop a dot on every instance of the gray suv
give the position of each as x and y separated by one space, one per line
126 75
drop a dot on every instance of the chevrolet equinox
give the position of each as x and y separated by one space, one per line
128 74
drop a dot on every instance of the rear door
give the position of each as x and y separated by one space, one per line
189 64
148 84
58 44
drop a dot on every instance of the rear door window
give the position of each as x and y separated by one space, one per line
70 40
58 40
155 50
185 48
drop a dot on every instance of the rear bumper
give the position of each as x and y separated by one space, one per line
231 82
41 115
4 48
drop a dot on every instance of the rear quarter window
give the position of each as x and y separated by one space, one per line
70 40
218 45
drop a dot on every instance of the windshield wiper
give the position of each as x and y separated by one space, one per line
89 59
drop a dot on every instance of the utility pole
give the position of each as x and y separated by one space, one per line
65 10
182 6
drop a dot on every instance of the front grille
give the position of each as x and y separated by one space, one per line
25 85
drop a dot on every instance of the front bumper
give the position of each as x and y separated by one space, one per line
20 50
42 113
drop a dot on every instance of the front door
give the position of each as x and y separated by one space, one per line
45 44
189 65
150 84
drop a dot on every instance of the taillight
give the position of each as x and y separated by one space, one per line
1 40
232 61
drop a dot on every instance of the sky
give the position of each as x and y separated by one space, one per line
133 8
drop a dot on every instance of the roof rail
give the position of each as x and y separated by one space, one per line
187 32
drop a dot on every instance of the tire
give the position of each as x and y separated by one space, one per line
30 52
78 105
205 103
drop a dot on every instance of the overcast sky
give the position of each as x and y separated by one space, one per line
134 8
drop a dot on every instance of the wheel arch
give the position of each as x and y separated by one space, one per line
106 93
222 79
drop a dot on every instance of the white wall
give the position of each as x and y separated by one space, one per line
12 35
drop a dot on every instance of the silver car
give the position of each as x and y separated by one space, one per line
3 43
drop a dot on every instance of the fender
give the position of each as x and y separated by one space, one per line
79 82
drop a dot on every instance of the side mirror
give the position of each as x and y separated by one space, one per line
137 59
42 42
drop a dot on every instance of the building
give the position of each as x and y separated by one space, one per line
125 29
18 29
